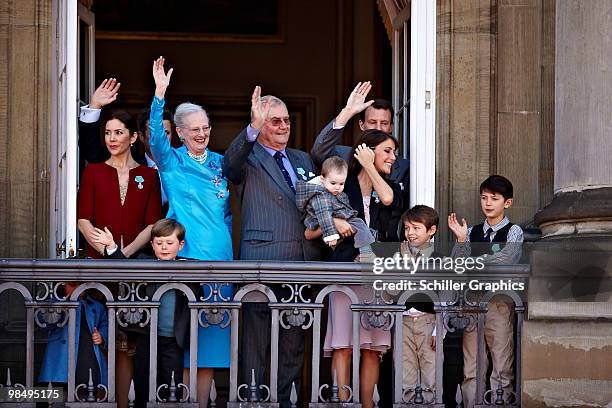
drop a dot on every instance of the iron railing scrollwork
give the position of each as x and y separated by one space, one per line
306 285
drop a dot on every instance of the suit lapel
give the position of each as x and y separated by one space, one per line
353 191
297 162
270 166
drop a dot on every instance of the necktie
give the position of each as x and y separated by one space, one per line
278 156
487 234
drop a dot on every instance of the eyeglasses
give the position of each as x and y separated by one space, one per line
276 122
197 130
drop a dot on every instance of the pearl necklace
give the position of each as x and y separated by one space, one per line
200 158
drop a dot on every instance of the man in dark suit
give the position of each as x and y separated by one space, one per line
265 173
374 114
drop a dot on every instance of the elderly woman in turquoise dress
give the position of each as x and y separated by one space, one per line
199 199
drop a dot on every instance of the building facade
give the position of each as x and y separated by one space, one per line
523 88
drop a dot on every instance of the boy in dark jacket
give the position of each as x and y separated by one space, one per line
167 239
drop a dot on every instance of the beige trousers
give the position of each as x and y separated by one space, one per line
418 354
499 328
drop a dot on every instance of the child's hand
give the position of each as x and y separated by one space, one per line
104 237
96 337
332 243
406 249
460 230
432 343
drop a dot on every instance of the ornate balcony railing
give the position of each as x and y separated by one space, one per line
39 283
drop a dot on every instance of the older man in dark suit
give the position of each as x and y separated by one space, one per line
265 173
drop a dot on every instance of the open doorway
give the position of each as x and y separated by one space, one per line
308 53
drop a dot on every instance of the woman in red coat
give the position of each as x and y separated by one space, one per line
118 194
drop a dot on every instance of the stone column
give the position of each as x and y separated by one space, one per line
25 62
465 64
583 122
567 342
517 144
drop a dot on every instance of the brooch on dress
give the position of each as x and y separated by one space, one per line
139 180
213 165
375 195
217 181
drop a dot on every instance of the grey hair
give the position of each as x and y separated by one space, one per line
185 109
274 101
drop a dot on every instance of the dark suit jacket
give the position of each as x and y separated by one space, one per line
271 224
181 309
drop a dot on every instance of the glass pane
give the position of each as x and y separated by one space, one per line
84 79
406 91
398 86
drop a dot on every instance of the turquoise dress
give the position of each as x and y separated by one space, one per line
198 198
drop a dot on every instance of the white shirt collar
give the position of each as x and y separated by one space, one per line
497 226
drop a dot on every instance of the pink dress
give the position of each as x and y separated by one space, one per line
339 332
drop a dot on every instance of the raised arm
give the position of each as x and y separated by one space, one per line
462 247
160 146
365 156
236 155
355 103
326 143
89 127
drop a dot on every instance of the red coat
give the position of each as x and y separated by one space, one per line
100 203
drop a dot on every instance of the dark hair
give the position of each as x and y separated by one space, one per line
143 118
423 214
166 227
498 185
378 104
372 138
123 117
333 163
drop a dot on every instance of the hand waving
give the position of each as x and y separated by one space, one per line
355 103
106 93
356 100
259 109
162 79
460 230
